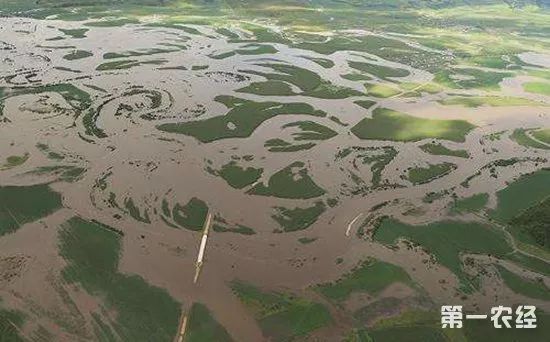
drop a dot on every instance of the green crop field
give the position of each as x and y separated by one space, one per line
386 124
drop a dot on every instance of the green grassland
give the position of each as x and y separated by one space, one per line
127 64
542 135
537 88
472 78
24 204
527 287
298 218
311 131
380 71
310 83
412 325
77 54
421 175
387 124
306 131
135 212
280 145
381 90
244 115
493 101
524 193
239 177
249 49
371 276
65 173
282 317
10 324
532 226
202 326
522 137
473 203
75 33
189 216
324 62
141 312
291 182
14 161
471 237
440 150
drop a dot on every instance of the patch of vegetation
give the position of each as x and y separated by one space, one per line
524 193
239 177
111 22
268 88
324 62
249 49
380 71
310 83
473 203
75 33
127 64
311 131
521 137
64 173
387 124
469 78
241 120
381 90
137 53
76 97
93 254
356 77
135 211
24 204
527 287
49 153
440 150
422 175
11 323
14 161
238 229
467 237
190 216
378 161
532 225
537 88
542 135
202 326
282 317
279 145
410 326
291 182
77 54
306 240
296 219
365 103
371 276
493 101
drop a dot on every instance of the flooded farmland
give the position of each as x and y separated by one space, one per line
357 181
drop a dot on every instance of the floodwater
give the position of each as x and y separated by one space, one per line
141 162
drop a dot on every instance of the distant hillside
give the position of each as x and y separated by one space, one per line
374 4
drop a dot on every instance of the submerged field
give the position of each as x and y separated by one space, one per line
360 164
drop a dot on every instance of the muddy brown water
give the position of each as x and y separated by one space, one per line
147 167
